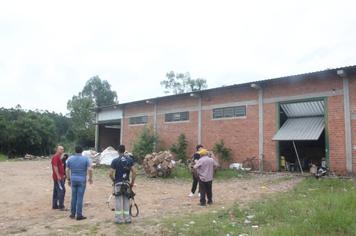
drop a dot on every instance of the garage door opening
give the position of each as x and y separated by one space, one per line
301 136
109 135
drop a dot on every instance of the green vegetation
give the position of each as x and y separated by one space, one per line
180 148
34 132
95 93
325 207
182 83
144 144
3 157
182 172
223 152
38 132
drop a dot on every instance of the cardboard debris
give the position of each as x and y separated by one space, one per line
158 164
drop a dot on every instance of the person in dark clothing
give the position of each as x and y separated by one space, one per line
195 177
64 161
122 166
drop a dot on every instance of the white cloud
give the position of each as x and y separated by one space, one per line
49 49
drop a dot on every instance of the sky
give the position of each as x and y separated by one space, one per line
49 49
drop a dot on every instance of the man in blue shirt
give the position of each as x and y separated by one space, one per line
122 166
78 167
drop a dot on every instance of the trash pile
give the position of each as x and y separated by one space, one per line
106 157
158 164
93 156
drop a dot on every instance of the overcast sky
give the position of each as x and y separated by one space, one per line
49 49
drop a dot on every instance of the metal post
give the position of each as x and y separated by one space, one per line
122 126
296 152
199 119
96 132
155 123
260 128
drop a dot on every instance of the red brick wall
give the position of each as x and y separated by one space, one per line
336 131
131 132
295 86
270 128
241 134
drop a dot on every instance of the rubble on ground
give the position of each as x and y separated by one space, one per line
158 164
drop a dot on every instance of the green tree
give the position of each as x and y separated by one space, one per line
144 144
99 91
180 148
223 152
177 83
95 93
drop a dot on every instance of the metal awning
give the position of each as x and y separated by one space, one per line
304 109
294 129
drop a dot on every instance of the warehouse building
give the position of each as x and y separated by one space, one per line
312 115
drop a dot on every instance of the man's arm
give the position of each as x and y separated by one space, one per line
55 168
111 174
133 177
90 174
197 164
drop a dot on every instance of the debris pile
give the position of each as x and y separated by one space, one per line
158 164
33 157
93 156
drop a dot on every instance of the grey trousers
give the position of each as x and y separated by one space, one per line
122 209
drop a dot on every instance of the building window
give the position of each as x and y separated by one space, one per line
138 120
177 116
227 112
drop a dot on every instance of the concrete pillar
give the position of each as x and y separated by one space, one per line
347 115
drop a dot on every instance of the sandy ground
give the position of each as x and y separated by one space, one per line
26 193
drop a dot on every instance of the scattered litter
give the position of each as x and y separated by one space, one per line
214 221
247 222
255 226
243 234
250 217
192 222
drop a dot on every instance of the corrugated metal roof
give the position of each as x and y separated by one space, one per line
349 69
309 128
303 109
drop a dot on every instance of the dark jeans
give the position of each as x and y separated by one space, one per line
206 189
78 189
195 183
58 194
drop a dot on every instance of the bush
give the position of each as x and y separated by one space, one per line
144 144
180 148
224 153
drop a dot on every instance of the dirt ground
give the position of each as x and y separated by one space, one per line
26 192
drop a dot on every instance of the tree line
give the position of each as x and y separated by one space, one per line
38 132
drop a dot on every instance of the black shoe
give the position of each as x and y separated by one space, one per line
55 208
63 209
72 216
81 217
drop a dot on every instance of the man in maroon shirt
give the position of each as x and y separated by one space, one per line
58 180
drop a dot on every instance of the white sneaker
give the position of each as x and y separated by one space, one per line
191 195
198 194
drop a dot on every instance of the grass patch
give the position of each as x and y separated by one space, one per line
325 207
182 172
3 157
